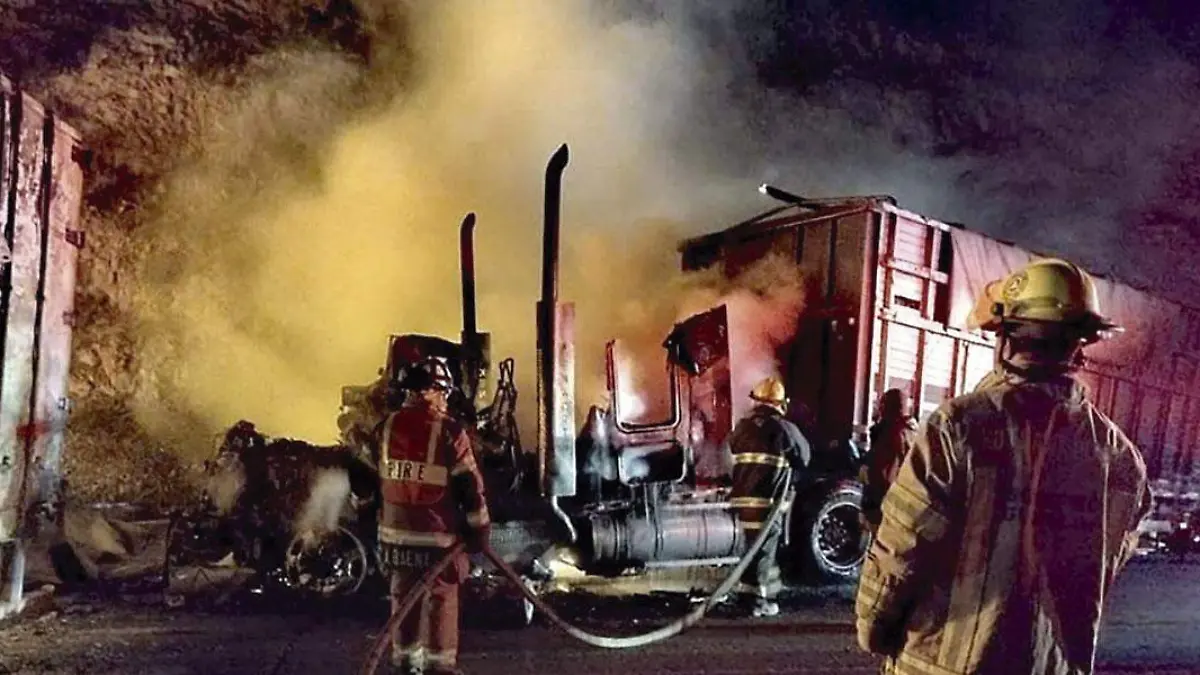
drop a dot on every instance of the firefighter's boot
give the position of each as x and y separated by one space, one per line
764 608
408 668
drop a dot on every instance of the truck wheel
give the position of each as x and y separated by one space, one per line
829 541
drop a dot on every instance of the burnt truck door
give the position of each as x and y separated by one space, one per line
830 242
41 184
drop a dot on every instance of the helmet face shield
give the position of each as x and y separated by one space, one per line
984 315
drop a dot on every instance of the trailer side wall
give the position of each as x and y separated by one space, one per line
1147 379
821 363
41 184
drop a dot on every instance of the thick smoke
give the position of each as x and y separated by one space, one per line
1067 127
763 304
1088 108
323 215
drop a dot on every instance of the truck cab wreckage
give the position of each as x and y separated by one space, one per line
615 495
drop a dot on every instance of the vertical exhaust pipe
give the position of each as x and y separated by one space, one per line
466 248
476 357
556 355
551 223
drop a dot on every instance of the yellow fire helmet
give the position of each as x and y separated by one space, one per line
1048 290
771 391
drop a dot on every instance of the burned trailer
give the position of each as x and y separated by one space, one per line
41 188
888 294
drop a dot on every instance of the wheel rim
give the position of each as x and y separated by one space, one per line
336 566
839 537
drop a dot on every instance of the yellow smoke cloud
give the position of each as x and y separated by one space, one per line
323 214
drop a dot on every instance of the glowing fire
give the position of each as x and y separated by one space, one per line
763 305
631 399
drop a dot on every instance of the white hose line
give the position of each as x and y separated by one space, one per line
602 641
668 631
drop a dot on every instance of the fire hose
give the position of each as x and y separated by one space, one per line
604 642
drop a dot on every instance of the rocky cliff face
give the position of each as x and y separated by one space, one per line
141 81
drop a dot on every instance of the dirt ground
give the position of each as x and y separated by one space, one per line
135 632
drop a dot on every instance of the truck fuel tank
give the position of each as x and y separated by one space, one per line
669 533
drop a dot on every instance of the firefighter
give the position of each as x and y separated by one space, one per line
891 438
1016 508
433 493
764 445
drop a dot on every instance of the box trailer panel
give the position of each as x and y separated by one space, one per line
1146 379
40 191
23 153
917 348
63 240
819 363
920 279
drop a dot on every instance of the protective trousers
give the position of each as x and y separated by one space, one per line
762 578
428 637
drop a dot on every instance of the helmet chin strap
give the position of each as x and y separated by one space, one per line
1033 370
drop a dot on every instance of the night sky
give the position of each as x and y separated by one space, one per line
1068 127
1065 126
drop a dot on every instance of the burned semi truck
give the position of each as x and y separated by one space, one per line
887 292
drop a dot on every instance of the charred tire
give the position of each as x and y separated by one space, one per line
828 541
338 566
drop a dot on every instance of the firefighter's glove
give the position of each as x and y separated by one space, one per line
476 539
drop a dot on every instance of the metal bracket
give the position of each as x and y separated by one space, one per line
76 238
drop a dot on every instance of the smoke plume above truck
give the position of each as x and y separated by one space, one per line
323 218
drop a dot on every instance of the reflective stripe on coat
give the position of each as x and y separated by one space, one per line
764 445
431 484
1006 527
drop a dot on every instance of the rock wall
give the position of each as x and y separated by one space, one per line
141 81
